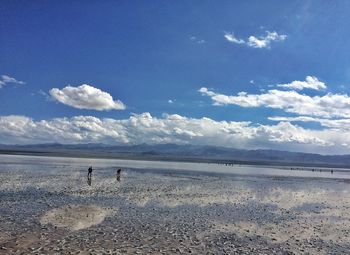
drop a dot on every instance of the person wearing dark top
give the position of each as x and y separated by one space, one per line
89 175
90 171
118 174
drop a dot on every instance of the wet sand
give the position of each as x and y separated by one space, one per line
54 211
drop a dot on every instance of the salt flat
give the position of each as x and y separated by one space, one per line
47 207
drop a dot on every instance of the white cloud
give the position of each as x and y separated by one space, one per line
285 132
327 106
331 111
86 97
5 79
257 42
144 128
231 38
311 82
335 124
195 39
265 41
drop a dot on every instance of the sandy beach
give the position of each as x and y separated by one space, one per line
47 207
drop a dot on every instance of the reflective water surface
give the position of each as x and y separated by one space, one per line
48 164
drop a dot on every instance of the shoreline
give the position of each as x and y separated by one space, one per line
137 157
194 167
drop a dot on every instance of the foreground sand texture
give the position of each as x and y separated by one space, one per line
46 210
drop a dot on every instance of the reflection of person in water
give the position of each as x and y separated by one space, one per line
89 180
89 175
119 171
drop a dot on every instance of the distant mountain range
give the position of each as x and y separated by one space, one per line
180 153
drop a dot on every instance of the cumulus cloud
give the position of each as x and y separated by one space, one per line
311 82
335 124
285 132
257 42
330 111
86 97
5 79
326 106
144 128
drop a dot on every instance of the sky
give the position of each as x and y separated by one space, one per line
240 74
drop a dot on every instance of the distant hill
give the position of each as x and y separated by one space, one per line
180 153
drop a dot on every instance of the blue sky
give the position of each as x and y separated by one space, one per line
155 56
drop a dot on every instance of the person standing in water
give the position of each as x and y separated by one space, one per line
89 175
119 171
90 172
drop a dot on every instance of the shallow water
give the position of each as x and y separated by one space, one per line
51 164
